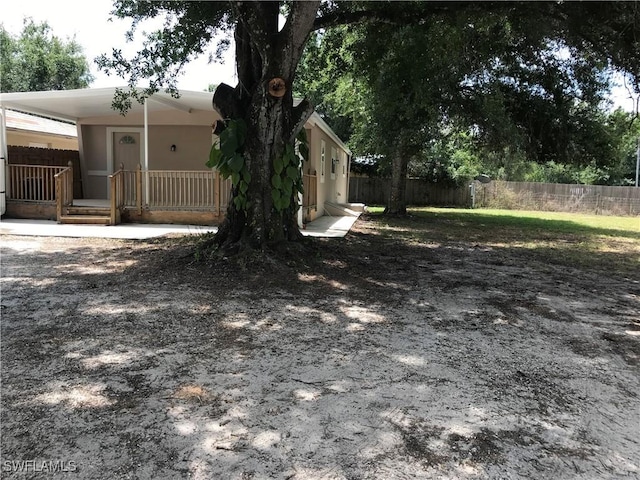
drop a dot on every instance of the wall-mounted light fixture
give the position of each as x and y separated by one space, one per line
173 148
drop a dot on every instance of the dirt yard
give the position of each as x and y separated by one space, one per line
374 357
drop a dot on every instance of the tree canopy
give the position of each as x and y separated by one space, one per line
525 80
497 60
37 60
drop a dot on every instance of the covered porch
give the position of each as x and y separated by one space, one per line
147 196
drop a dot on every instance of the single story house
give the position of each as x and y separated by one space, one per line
24 130
149 165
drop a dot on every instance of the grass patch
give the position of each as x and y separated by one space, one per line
579 240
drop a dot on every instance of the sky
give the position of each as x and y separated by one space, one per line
88 22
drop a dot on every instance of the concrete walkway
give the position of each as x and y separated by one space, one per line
326 226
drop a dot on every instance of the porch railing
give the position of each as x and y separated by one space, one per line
153 189
32 183
117 186
185 190
64 190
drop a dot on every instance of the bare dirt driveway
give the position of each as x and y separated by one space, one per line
380 355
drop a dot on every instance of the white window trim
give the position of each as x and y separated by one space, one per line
323 159
335 162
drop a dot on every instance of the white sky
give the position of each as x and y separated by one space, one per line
88 21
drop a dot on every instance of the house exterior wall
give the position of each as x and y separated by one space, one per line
31 139
93 160
193 144
191 134
332 190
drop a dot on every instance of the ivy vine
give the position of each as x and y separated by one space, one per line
287 177
227 156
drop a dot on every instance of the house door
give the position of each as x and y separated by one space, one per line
126 150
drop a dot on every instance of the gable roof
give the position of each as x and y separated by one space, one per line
31 123
72 105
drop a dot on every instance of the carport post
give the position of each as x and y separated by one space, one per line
5 160
146 153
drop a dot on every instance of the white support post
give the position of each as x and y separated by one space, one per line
5 160
146 153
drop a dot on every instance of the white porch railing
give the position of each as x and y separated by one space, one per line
166 189
176 190
32 183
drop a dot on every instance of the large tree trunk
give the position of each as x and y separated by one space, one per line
263 54
399 166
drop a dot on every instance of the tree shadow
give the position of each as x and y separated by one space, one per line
378 356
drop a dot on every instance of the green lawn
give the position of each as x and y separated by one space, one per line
564 238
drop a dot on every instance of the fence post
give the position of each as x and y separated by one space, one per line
139 188
69 192
59 198
218 194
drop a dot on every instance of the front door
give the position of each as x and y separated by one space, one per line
126 150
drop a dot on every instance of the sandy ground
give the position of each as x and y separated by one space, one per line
372 359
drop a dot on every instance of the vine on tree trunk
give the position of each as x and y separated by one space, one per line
227 156
287 178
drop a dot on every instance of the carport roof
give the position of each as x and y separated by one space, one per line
72 105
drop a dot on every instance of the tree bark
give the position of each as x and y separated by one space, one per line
399 167
264 53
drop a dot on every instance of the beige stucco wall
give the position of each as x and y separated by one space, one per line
191 134
21 138
192 140
332 190
193 144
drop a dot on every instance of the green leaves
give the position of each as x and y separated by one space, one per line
287 179
227 157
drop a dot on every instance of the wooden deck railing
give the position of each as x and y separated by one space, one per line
32 183
153 189
186 190
64 189
117 186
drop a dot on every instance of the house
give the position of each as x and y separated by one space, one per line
149 165
24 130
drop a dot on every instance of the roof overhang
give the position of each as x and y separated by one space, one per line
73 105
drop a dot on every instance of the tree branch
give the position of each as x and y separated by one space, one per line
299 116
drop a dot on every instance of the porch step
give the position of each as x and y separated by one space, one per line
92 211
86 219
91 215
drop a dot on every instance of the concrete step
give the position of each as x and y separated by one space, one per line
339 209
86 219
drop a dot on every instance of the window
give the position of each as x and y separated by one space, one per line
334 162
323 150
127 140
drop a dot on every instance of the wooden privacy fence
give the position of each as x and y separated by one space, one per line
598 199
48 157
376 191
